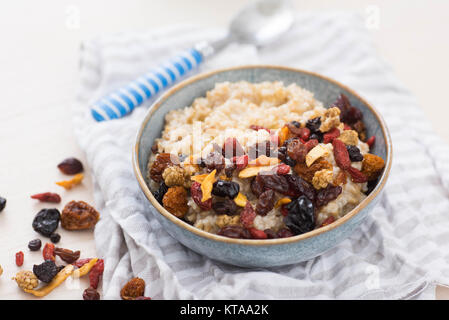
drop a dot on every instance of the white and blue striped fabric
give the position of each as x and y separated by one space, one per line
401 251
123 101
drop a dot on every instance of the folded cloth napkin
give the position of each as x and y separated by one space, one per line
399 252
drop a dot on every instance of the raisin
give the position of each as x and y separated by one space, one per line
340 178
356 175
67 255
348 113
265 203
301 215
47 197
236 232
325 195
299 187
257 234
341 154
2 203
79 215
46 221
224 188
229 170
227 206
48 252
160 192
294 127
371 185
162 161
71 166
247 215
297 150
45 271
284 233
132 289
275 182
354 153
257 186
270 234
197 195
91 294
359 126
175 201
314 124
19 258
214 160
95 273
307 173
35 245
232 148
55 237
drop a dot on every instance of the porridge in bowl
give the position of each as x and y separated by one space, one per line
262 161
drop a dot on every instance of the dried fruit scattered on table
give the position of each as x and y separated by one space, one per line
197 195
60 278
325 195
19 258
48 252
160 192
307 173
67 255
1 271
372 166
71 166
341 154
69 184
247 215
162 161
55 237
301 215
81 262
354 153
175 201
2 203
356 175
85 265
225 206
46 271
91 294
224 188
26 280
46 221
132 289
79 215
47 197
265 203
236 232
95 273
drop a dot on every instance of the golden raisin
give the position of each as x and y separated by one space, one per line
372 166
157 167
78 215
132 289
175 201
307 173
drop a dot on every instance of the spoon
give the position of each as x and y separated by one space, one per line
259 23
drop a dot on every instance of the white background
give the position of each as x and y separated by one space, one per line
39 75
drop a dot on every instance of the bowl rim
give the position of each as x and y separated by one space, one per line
258 242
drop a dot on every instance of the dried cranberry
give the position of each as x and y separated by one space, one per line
160 192
257 234
46 221
232 148
325 195
45 271
226 206
71 166
223 188
299 187
234 231
257 186
275 182
282 169
265 203
214 160
354 153
284 233
301 215
91 294
247 215
35 245
197 195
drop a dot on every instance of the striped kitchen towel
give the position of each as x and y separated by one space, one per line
401 250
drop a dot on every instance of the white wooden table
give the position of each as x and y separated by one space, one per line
39 60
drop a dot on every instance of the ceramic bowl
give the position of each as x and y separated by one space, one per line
258 253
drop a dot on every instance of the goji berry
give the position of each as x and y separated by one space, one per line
81 262
257 234
197 195
241 162
370 142
48 252
328 221
247 215
282 169
19 258
341 154
47 197
312 143
331 135
356 175
95 273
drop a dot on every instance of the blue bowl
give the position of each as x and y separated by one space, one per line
259 253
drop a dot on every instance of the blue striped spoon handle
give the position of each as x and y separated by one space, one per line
123 101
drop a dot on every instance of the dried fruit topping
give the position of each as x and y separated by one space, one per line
252 171
175 201
241 162
197 195
247 215
301 215
370 142
226 206
330 119
340 179
348 113
69 184
132 289
283 135
341 154
356 175
162 161
359 126
224 188
67 255
45 271
354 153
263 160
232 148
331 135
372 166
328 221
314 124
325 195
275 182
46 221
265 203
284 233
160 192
47 197
318 136
26 280
236 232
307 173
91 294
2 203
299 187
304 134
316 153
207 186
55 237
349 137
48 252
174 176
282 169
322 178
257 234
256 186
78 215
240 200
312 143
19 258
35 245
214 161
95 273
71 166
296 150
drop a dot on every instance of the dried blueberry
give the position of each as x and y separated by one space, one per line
227 206
224 188
2 203
35 245
314 124
354 153
46 221
317 135
159 193
301 215
55 237
45 271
